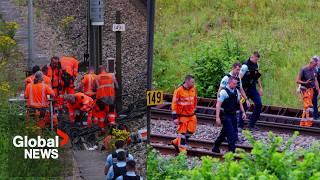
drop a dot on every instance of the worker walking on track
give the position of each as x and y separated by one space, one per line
87 83
250 77
79 104
184 103
223 84
309 89
105 85
69 67
37 101
228 103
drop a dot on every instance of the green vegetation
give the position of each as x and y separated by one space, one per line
12 119
264 162
284 32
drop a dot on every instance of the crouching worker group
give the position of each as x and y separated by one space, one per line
93 104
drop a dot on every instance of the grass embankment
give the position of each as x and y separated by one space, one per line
286 33
12 120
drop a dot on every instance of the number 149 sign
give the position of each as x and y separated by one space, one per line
154 98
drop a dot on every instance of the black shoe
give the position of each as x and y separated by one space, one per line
175 147
215 150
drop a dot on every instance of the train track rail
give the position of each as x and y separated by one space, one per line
269 121
196 147
165 114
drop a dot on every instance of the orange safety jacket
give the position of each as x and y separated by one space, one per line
105 85
88 84
55 76
36 95
29 79
83 102
47 80
70 65
184 101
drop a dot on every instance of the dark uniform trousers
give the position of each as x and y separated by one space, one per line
229 131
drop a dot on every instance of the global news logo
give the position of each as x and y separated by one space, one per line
40 148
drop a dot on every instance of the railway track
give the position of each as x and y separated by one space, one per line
165 114
275 119
196 147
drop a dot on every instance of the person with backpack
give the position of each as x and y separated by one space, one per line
112 158
118 168
131 172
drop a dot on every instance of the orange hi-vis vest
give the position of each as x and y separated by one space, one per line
70 65
83 102
29 79
47 80
88 84
184 101
104 85
36 95
55 76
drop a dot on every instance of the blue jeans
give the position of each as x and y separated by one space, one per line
253 94
315 104
229 131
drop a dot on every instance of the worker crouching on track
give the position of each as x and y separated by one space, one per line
184 103
105 85
79 103
309 89
37 101
229 100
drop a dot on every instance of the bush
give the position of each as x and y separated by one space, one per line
264 162
213 61
66 24
6 46
8 28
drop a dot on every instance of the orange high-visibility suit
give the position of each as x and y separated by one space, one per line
36 95
47 80
83 103
183 107
69 66
105 95
307 95
105 86
88 84
56 83
29 79
99 115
